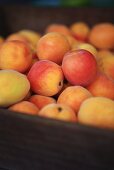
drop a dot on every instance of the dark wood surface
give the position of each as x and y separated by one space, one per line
34 143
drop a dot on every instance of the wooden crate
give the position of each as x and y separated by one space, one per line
35 143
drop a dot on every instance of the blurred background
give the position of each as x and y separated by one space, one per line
63 3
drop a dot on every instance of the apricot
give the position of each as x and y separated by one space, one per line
102 86
106 65
79 67
58 111
14 86
25 107
46 78
97 111
60 28
73 96
16 36
102 36
80 30
32 37
104 53
52 46
15 55
41 101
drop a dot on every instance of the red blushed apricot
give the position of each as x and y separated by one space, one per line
46 78
52 46
102 86
79 67
15 55
60 28
19 37
80 30
41 101
16 36
73 96
25 107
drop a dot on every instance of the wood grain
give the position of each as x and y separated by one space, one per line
34 143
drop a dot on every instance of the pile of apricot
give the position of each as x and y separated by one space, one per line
66 74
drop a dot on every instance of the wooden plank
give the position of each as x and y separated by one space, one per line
30 142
